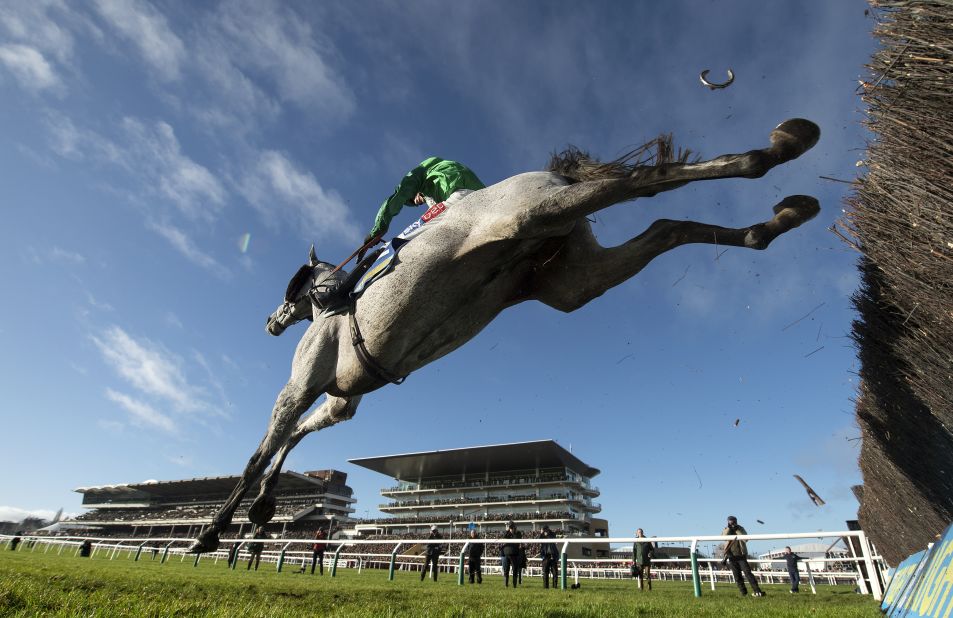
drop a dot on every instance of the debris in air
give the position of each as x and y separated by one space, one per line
737 422
759 521
714 85
810 492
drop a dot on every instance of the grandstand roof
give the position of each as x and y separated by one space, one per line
477 460
206 486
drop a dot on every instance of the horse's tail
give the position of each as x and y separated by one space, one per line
578 166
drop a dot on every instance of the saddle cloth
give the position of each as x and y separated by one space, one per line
386 260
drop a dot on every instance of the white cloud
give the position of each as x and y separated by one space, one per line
67 256
47 25
173 320
184 245
147 29
16 514
258 55
282 192
29 67
140 412
78 144
191 187
149 368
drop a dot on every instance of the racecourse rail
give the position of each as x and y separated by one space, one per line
344 553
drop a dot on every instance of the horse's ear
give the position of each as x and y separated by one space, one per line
312 258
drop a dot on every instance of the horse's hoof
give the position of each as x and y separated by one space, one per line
207 541
262 509
794 137
797 209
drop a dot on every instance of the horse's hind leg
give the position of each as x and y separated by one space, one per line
583 270
332 411
789 140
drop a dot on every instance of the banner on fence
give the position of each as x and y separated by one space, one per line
922 585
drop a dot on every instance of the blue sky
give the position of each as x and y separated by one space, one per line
165 166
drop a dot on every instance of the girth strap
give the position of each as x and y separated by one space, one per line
370 365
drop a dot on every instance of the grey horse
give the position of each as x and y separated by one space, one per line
525 238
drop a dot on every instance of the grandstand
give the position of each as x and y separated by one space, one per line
306 501
532 483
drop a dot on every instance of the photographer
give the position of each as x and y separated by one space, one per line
476 559
550 555
736 556
511 554
642 554
433 554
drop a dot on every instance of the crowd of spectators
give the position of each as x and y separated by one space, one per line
464 499
478 517
507 481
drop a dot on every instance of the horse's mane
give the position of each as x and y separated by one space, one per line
578 166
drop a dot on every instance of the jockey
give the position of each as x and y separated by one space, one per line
435 178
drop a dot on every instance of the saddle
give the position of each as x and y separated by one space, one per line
331 296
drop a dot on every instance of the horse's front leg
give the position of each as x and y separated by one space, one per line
583 269
332 411
293 401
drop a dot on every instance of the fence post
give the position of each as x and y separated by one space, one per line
138 552
562 566
872 573
334 563
165 554
460 566
281 557
711 573
696 578
238 552
197 557
810 576
393 559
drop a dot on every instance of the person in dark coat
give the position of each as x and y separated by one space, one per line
550 556
317 551
433 554
86 549
511 554
475 559
736 556
642 554
232 554
15 540
790 561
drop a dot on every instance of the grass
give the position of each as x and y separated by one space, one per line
33 584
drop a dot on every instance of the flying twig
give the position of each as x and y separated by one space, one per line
810 492
683 275
698 476
846 182
803 316
817 350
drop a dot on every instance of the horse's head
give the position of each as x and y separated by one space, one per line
297 305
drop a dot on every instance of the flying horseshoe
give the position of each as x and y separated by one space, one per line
713 86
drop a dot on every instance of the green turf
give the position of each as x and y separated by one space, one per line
33 584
